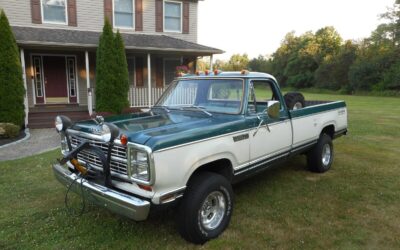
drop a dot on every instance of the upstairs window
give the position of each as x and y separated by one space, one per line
124 14
54 11
172 16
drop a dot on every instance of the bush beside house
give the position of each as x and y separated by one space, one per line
11 82
112 79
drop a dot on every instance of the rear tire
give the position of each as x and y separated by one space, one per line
206 208
320 157
294 100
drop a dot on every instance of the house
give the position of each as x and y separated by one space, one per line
58 41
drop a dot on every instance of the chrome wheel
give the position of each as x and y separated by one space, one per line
297 105
326 154
213 210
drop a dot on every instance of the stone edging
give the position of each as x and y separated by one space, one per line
27 136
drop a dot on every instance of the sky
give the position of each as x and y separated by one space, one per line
258 26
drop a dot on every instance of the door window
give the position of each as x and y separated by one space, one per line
71 76
37 75
261 92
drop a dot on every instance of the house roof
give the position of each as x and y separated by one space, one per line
29 36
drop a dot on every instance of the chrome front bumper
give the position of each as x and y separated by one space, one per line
120 203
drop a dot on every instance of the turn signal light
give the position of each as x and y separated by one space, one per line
124 139
144 187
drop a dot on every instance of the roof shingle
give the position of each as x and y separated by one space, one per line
90 39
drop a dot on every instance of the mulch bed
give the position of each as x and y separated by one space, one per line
4 141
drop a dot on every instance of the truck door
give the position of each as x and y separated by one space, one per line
270 139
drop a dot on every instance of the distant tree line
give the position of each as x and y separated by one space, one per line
323 60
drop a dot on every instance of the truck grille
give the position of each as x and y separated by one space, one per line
118 162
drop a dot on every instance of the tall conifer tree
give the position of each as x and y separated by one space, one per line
11 83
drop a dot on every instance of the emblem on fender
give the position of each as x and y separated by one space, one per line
96 130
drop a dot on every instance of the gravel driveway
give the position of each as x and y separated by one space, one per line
40 140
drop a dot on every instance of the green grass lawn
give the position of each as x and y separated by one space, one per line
356 205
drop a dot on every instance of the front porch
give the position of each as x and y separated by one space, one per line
60 75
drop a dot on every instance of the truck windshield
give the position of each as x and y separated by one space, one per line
210 95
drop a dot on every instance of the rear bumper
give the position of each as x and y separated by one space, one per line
120 203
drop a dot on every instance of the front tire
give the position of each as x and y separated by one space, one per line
320 157
206 208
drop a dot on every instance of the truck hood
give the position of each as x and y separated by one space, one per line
162 130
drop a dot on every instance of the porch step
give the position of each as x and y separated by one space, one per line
43 119
57 108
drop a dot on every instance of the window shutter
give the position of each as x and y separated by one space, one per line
139 15
159 16
36 11
139 71
108 11
72 13
185 21
159 72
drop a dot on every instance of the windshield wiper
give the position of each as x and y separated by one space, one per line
161 107
202 109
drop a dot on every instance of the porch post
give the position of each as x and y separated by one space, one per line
149 78
211 63
89 90
25 86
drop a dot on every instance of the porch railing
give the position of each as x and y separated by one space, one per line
139 97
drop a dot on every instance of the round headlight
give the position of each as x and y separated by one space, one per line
109 132
62 122
58 123
105 133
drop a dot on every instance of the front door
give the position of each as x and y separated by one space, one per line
272 139
55 79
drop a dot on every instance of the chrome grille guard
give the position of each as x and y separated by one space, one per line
105 160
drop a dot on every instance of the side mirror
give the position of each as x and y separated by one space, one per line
273 109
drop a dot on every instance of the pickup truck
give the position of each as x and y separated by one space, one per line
205 133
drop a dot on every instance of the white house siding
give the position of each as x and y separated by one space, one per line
90 17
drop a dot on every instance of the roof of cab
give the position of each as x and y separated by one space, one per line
233 74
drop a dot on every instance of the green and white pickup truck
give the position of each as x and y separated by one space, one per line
205 133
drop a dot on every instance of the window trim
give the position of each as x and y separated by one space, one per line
133 17
181 17
54 22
